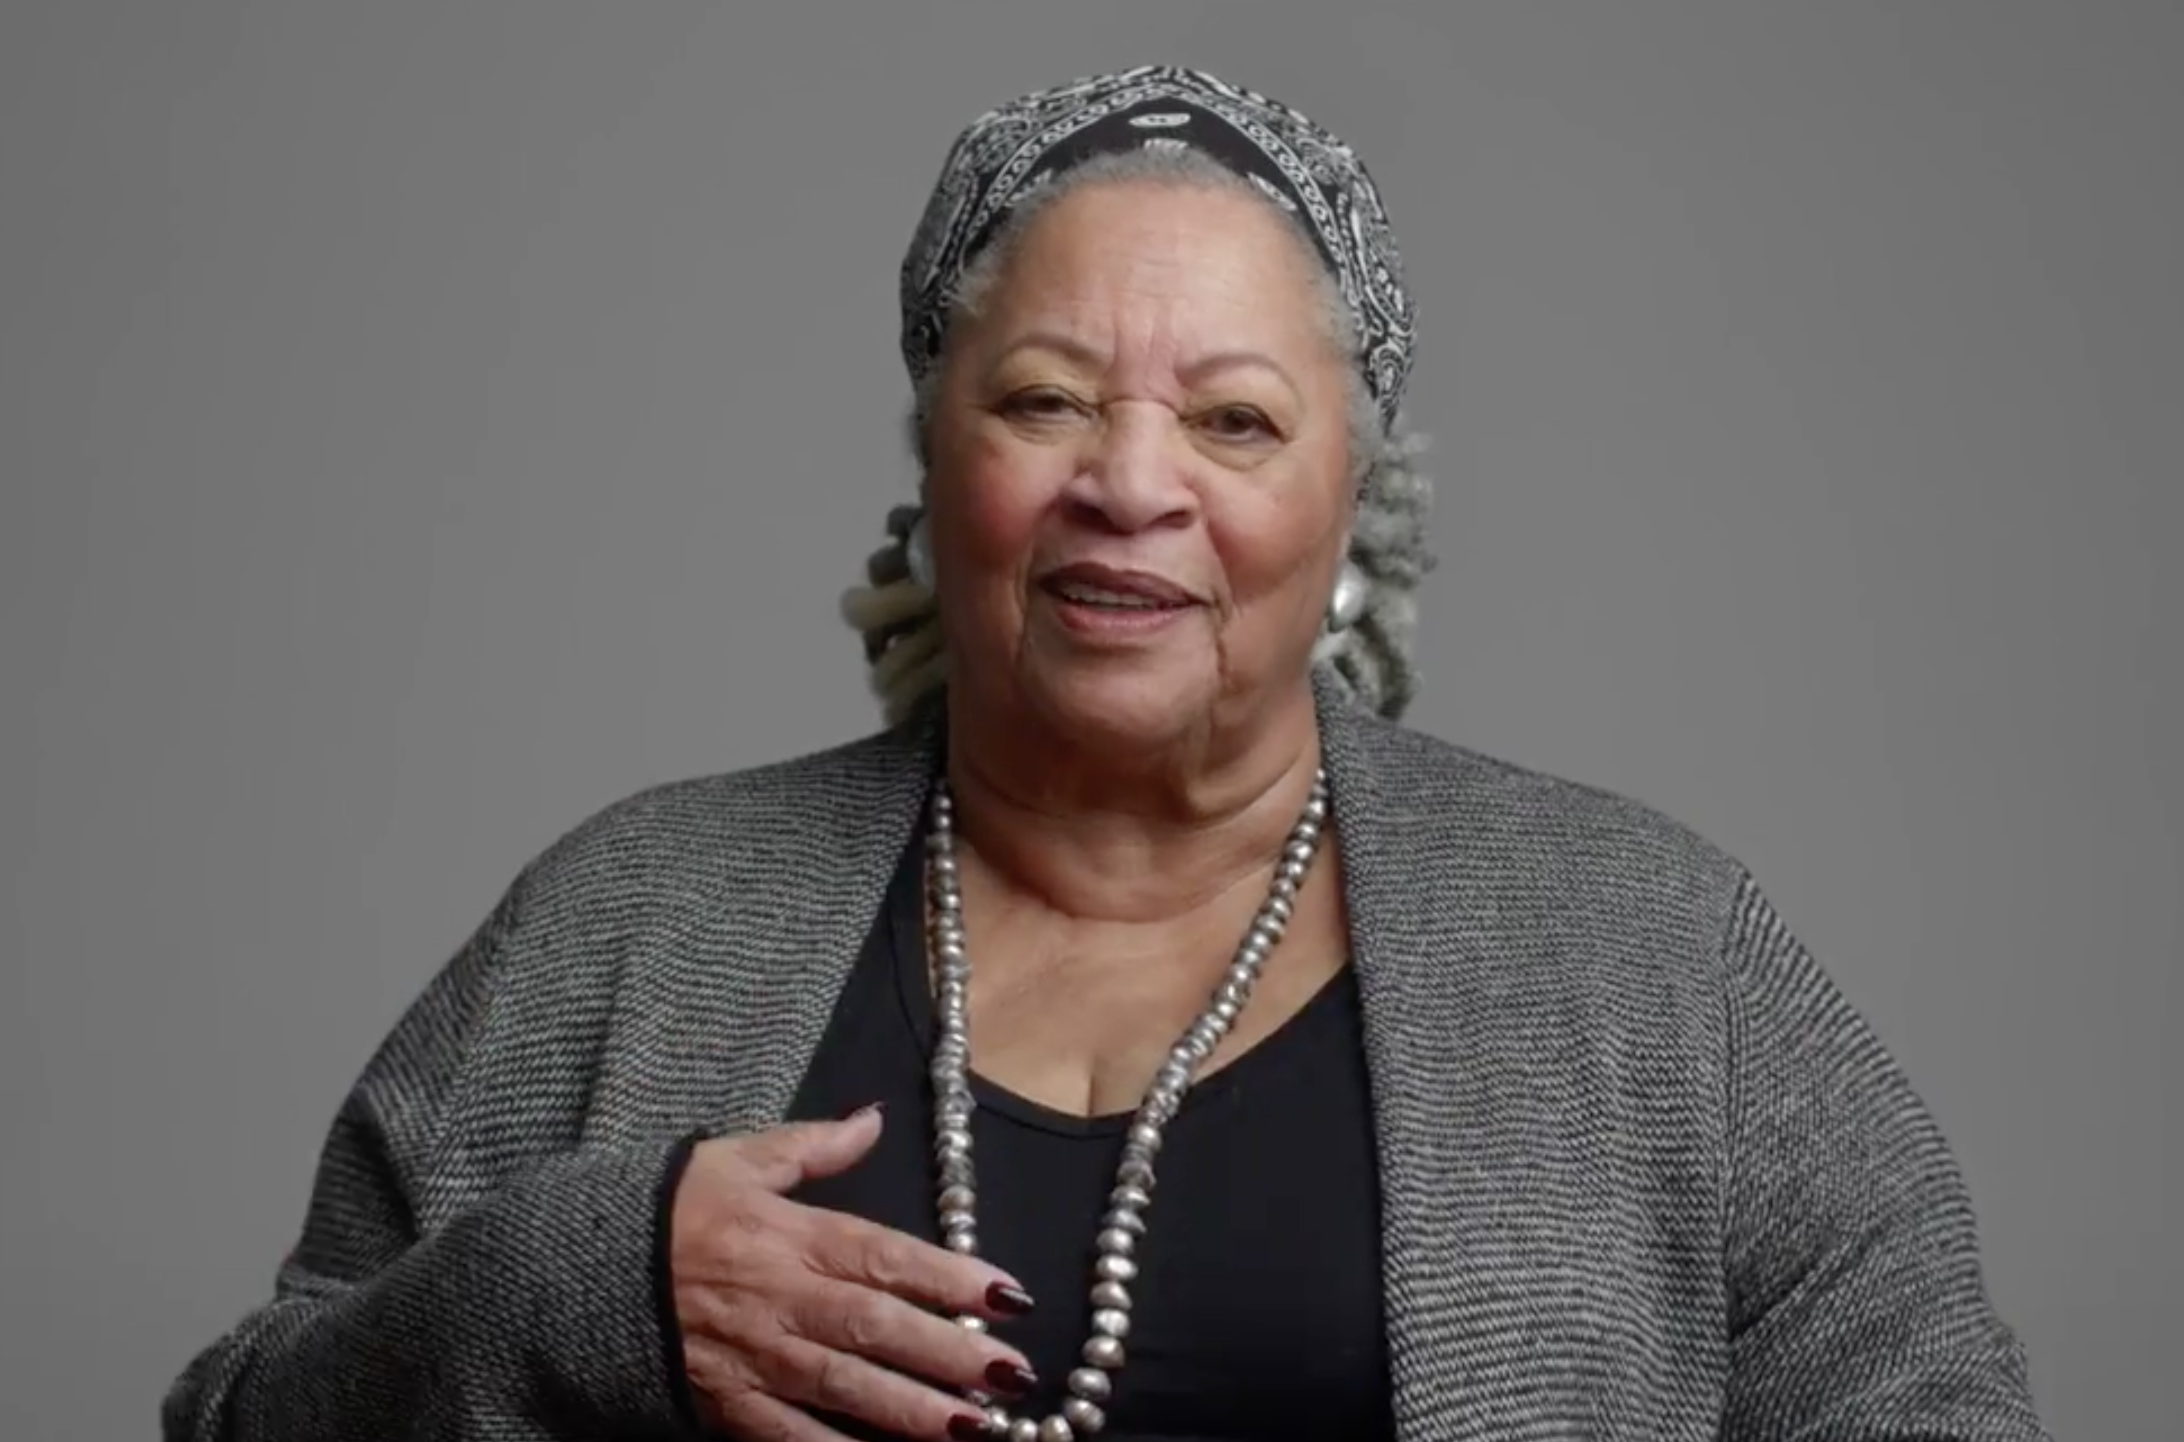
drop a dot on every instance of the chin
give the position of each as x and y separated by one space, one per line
1129 712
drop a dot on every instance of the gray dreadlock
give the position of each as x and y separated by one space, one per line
900 622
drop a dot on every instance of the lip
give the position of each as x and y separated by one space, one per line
1143 585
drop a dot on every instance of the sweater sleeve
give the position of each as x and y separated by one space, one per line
1859 1310
531 1314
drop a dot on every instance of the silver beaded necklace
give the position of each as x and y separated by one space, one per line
1113 1267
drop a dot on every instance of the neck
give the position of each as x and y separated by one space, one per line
1098 834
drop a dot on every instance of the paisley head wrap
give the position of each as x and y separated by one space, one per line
1010 152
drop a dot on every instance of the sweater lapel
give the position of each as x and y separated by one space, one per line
1466 1280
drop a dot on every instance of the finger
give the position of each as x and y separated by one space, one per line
848 1386
784 1158
852 1249
756 1417
908 1339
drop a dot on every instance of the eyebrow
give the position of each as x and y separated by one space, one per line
1197 368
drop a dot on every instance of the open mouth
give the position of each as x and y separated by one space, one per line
1100 599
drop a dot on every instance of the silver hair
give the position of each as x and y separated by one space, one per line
899 620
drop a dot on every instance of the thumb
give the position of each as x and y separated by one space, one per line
787 1157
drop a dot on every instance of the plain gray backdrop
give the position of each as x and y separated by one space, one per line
424 423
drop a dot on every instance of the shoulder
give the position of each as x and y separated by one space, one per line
752 825
1558 855
1428 780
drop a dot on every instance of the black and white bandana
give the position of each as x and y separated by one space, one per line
1009 152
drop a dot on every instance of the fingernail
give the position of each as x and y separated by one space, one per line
855 1113
1008 1299
1006 1376
968 1427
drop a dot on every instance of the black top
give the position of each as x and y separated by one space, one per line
1258 1303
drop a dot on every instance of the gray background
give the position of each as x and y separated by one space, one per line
424 423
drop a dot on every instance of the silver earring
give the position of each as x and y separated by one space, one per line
917 552
1347 604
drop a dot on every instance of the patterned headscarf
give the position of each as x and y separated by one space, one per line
1008 153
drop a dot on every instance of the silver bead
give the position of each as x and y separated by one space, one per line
1141 1135
1125 1219
1111 1297
1057 1429
958 1199
1131 1198
1112 1268
1115 1242
1091 1384
963 1242
997 1421
1085 1416
1134 1173
971 1323
1278 909
1227 1009
958 1221
1103 1352
1110 1322
1023 1429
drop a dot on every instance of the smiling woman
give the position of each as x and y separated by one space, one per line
1126 421
1381 540
1476 1103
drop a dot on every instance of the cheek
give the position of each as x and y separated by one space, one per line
1276 552
992 499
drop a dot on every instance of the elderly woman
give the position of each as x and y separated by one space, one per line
1319 1079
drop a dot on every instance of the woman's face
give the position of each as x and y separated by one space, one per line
1138 477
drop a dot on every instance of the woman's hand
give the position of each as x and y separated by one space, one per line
785 1307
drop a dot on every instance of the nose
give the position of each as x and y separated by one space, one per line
1133 476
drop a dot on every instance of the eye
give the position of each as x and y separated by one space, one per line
1237 423
1040 403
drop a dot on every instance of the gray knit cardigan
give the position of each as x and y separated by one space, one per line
1644 1173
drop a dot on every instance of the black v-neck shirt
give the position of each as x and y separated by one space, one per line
1257 1311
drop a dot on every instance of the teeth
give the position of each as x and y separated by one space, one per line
1087 596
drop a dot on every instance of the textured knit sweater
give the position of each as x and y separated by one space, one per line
1644 1172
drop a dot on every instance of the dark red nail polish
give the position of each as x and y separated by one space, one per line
1009 1301
1006 1376
968 1427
